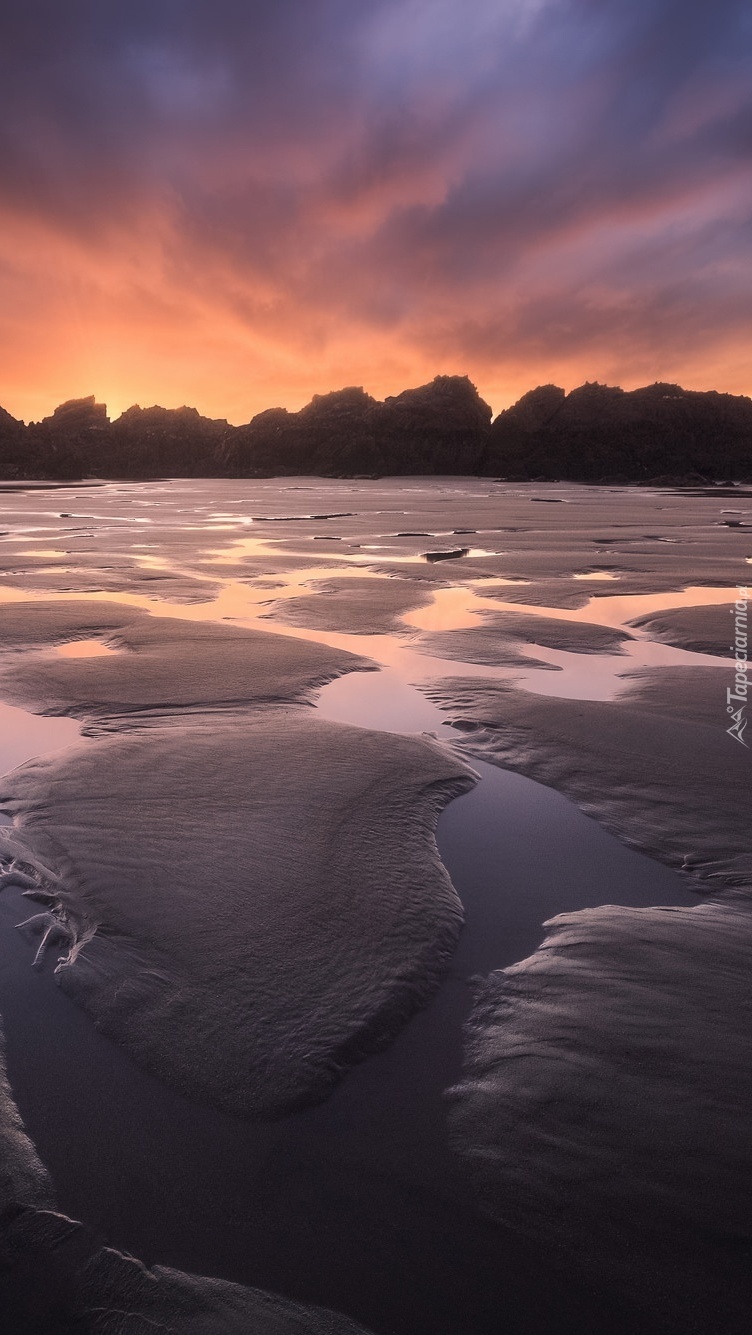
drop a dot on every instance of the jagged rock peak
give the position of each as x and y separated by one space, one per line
443 390
79 412
156 415
340 402
8 421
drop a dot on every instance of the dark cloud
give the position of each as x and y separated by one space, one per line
440 171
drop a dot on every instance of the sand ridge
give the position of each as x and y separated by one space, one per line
704 630
252 895
499 636
648 765
623 1039
166 662
357 606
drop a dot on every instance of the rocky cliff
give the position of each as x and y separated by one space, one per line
438 428
601 433
597 433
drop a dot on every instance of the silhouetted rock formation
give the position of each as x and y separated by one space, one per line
58 447
78 416
438 428
597 433
13 448
155 442
535 408
600 433
8 425
333 434
79 440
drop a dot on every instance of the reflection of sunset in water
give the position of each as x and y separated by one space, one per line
199 553
580 676
620 609
24 736
84 649
450 610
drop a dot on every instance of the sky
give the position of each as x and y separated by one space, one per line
237 205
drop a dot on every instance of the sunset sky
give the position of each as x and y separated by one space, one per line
235 205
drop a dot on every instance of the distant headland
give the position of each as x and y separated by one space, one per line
596 433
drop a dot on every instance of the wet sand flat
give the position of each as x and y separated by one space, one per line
246 897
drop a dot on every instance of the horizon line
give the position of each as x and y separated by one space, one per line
177 407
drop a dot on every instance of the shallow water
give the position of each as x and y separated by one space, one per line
370 1167
357 1204
217 587
24 736
84 649
518 853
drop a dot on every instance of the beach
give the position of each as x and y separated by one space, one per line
324 760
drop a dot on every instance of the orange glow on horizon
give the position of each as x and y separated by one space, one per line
143 313
216 394
159 364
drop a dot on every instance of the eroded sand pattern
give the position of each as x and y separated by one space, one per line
623 1039
302 933
707 630
626 761
491 642
245 895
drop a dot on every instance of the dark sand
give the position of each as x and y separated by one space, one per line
357 606
496 641
324 1204
623 1040
22 1175
167 663
705 630
359 1204
655 766
251 954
